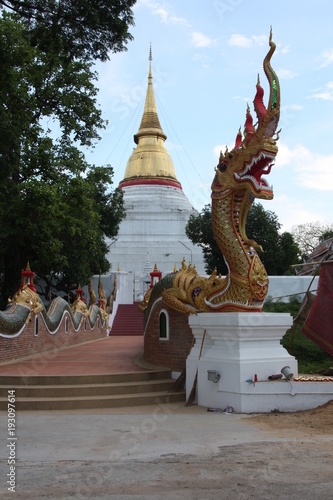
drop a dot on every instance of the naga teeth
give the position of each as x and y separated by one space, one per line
253 180
254 161
243 176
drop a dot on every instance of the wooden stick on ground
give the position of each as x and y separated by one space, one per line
191 397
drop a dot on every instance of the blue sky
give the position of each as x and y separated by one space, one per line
206 58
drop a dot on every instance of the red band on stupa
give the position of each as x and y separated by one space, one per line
150 182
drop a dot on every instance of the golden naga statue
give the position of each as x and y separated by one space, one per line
79 305
238 181
27 298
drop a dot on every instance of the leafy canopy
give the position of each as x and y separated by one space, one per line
76 29
55 209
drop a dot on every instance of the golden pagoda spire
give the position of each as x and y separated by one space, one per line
150 162
150 123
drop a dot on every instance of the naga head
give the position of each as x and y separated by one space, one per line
253 156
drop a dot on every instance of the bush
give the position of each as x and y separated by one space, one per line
311 358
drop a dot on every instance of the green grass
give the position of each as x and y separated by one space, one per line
311 358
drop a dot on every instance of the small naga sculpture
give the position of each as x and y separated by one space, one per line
26 297
238 181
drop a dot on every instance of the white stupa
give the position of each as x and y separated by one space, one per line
157 209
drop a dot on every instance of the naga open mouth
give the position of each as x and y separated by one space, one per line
259 166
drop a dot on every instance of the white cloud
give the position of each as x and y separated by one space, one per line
218 148
312 170
285 74
325 93
326 96
259 39
282 49
201 40
327 57
287 155
294 107
221 147
165 15
242 41
242 98
292 212
201 58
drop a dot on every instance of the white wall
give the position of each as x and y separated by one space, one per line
124 293
282 286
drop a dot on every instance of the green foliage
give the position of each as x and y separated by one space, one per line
200 231
55 209
280 250
80 29
326 235
310 356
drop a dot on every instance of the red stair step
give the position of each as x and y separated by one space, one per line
128 320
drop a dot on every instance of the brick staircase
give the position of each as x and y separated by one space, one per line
74 392
128 320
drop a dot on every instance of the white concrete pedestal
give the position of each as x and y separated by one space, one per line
240 346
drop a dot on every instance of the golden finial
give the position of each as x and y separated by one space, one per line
245 131
100 287
101 293
174 268
226 151
118 268
28 267
214 273
150 76
155 268
92 295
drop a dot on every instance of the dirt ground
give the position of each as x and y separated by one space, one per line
317 422
276 456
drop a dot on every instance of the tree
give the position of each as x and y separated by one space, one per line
200 231
75 29
55 209
309 235
280 250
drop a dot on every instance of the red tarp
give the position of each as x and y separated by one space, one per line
319 324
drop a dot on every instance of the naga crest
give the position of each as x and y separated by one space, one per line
253 156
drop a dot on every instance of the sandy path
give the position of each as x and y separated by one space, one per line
274 456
